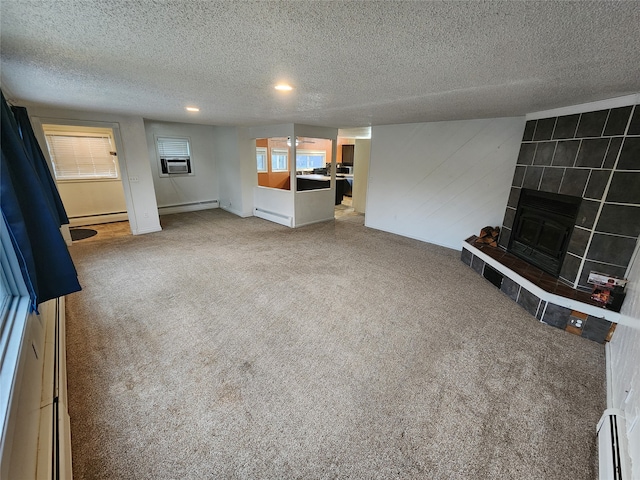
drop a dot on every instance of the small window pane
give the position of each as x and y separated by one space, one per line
279 160
309 160
261 159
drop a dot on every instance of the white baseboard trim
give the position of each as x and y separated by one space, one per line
97 219
368 224
236 212
314 221
187 207
66 234
147 230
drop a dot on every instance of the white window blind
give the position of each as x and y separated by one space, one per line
76 157
173 148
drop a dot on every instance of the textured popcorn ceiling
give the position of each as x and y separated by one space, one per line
352 63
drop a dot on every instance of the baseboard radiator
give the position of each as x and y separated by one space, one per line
614 460
275 217
187 207
54 445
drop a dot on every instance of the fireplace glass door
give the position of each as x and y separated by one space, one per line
542 228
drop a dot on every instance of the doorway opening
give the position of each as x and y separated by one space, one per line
352 169
87 172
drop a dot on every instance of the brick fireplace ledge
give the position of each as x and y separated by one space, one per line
555 309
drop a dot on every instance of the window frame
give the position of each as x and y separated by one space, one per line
80 131
14 314
323 153
262 151
188 158
278 152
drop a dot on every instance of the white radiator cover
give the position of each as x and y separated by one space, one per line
613 455
39 447
275 217
55 423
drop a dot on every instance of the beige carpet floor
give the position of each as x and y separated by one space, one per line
230 348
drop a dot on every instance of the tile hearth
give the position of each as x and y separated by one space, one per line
543 296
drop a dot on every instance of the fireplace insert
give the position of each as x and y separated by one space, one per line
542 228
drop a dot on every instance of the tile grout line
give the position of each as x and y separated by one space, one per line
604 197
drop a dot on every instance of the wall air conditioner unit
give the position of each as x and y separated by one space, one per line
173 166
174 154
613 455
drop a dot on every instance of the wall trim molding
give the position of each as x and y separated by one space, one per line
314 221
97 219
608 372
406 235
624 101
236 212
146 230
188 207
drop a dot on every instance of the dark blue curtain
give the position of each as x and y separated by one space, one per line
32 147
31 216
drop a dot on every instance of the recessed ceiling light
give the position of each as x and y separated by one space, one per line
192 109
284 87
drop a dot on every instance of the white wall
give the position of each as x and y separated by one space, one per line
624 351
88 202
133 159
248 170
84 199
362 154
275 205
176 190
293 208
235 157
313 206
441 182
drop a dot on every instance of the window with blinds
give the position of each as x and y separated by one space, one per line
82 156
174 154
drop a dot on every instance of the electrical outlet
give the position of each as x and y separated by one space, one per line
134 179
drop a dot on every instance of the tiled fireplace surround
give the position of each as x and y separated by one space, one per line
592 155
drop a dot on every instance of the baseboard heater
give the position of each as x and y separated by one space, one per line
275 217
187 207
614 460
54 443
